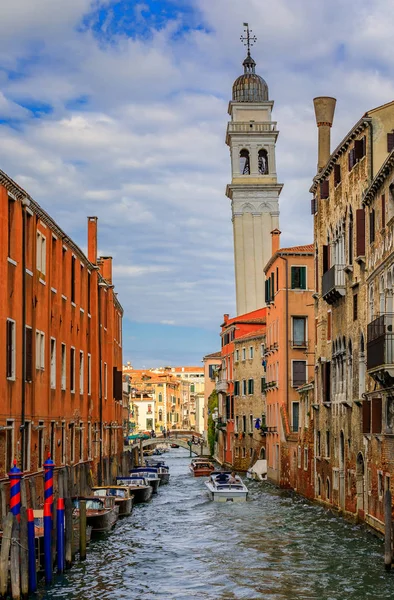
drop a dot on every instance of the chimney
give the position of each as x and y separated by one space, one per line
106 268
275 240
324 111
225 317
92 239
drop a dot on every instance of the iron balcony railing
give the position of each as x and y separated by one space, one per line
333 284
380 341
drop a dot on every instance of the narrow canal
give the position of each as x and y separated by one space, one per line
182 546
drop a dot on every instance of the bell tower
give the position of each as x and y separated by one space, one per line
254 190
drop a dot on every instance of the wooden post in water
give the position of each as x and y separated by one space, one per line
33 492
14 561
68 509
82 529
387 530
24 553
5 553
3 503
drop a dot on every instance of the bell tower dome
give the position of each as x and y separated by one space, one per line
254 190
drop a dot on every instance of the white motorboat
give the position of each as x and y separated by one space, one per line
222 488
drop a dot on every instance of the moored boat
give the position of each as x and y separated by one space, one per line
148 473
223 487
122 494
101 512
139 487
174 445
162 470
201 468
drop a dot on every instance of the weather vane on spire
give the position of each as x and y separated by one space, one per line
248 39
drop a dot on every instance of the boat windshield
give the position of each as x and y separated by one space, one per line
94 505
101 492
117 493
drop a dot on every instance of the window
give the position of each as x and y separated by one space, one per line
250 386
243 452
89 374
9 445
72 370
29 240
251 352
390 142
81 430
299 331
53 264
250 423
243 353
324 189
40 448
299 372
53 363
160 397
40 350
299 457
263 162
41 253
380 485
52 442
64 361
64 278
328 448
372 226
88 292
63 443
105 381
81 287
295 416
11 339
298 278
237 452
81 372
305 458
360 232
192 388
355 300
11 227
73 262
236 355
26 439
350 239
318 444
244 162
149 408
236 388
244 387
337 174
329 326
72 442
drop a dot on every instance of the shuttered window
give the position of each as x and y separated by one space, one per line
351 159
272 287
299 372
360 232
298 278
390 142
316 273
236 388
72 369
29 354
355 307
359 149
10 341
324 189
117 384
250 386
372 226
73 261
376 415
337 174
313 206
326 259
366 417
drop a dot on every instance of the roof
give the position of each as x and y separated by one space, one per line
236 320
213 355
252 334
379 178
308 249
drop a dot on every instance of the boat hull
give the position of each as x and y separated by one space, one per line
164 478
142 494
226 495
154 483
125 506
103 521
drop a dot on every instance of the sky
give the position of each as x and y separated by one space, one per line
118 108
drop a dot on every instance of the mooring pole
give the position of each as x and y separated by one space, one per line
82 529
387 531
48 541
60 517
32 551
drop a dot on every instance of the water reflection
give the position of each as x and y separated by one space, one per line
182 546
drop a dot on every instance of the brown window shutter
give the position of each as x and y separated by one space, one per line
117 384
325 259
390 142
372 226
29 354
313 206
358 150
376 415
383 211
337 174
9 349
329 326
360 232
324 189
316 273
366 416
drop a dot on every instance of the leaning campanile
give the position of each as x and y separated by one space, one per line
254 189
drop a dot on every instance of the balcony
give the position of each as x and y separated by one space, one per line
333 284
221 423
251 127
222 385
268 385
380 349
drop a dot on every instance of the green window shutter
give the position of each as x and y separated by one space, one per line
303 278
293 278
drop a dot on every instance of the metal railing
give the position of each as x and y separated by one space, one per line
334 281
251 126
380 341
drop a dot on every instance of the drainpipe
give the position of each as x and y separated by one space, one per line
287 330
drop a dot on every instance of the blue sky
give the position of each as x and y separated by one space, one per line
119 109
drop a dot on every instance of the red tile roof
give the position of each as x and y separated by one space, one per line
251 334
213 355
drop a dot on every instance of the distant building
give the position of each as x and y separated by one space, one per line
211 364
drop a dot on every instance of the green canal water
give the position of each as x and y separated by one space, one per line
181 546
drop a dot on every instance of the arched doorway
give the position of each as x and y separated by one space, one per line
262 454
360 483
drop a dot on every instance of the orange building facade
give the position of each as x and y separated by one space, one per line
61 331
290 338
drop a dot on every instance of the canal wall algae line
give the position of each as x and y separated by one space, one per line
181 546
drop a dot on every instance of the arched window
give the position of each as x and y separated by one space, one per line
160 397
160 415
263 162
328 489
244 162
318 486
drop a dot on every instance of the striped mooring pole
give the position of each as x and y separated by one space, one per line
49 465
60 514
15 476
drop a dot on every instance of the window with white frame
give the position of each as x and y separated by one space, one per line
305 458
380 485
53 363
105 380
41 255
89 440
251 352
89 374
251 423
236 355
262 347
72 369
299 457
236 452
81 372
243 353
40 350
243 452
299 331
11 350
64 366
244 387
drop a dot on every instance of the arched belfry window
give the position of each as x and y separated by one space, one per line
244 162
263 162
